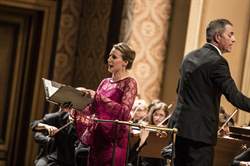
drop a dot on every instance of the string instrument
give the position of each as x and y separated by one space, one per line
244 147
144 132
236 141
63 127
60 129
234 131
143 122
222 130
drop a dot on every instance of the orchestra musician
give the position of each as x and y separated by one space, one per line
65 139
46 144
139 110
157 117
139 115
158 113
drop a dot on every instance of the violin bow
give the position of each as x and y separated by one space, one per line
63 127
230 117
165 119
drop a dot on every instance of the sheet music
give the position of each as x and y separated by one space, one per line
59 94
49 88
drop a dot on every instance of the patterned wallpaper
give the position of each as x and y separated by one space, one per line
82 42
83 39
145 27
67 41
92 43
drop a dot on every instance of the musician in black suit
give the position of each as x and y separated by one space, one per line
65 140
46 144
205 76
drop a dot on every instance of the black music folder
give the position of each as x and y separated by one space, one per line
58 93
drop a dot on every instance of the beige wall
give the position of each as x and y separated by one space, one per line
175 49
207 10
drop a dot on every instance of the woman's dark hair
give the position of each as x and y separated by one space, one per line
155 107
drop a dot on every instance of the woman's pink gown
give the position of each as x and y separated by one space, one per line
113 101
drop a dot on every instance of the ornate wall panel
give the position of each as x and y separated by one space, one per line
145 27
67 41
90 68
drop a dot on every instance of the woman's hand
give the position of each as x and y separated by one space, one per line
160 133
91 93
72 115
82 89
85 91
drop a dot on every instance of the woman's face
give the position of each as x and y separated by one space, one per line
158 116
115 61
140 114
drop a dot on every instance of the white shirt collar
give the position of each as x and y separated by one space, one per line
219 51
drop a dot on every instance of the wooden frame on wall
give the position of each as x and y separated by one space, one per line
36 22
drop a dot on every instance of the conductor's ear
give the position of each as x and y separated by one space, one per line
217 37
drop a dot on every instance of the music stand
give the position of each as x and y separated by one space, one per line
117 122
